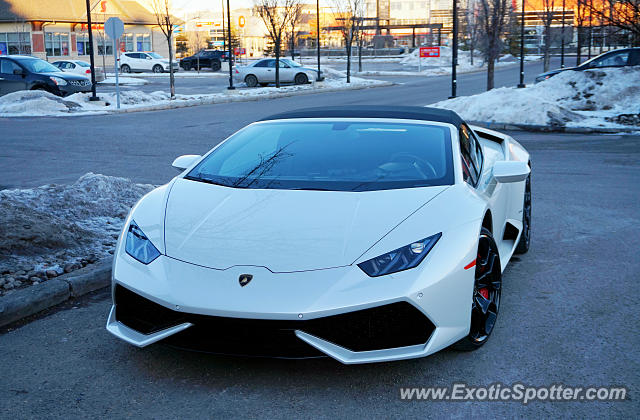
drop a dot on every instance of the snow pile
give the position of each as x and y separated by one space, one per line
591 98
40 103
62 224
35 102
126 81
443 63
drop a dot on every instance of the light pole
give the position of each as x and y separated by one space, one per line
91 59
230 51
318 33
521 84
454 52
562 38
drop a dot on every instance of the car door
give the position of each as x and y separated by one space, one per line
9 81
287 73
265 70
146 62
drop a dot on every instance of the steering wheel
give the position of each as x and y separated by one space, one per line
424 165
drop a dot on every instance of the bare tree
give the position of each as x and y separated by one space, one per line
622 14
581 17
276 15
296 16
492 18
197 41
547 16
166 21
472 27
348 16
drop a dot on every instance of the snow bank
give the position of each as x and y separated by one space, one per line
40 103
126 81
61 224
592 98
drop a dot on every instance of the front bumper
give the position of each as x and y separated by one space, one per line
74 86
338 312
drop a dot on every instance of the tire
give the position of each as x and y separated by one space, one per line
216 65
487 291
125 68
301 79
525 237
158 69
251 80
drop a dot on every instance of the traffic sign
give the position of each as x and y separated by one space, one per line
241 21
429 51
114 27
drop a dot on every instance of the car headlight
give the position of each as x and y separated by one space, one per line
58 80
400 259
139 246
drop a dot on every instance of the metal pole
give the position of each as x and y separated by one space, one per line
521 84
93 65
318 34
230 51
115 68
562 40
454 52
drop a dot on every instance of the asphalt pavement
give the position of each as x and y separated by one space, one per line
568 313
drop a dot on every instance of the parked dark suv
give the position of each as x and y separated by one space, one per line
19 72
616 58
207 58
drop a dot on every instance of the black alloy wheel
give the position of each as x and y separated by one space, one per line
525 237
301 79
487 290
251 80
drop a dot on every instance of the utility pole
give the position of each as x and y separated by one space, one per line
562 37
91 59
521 84
454 52
230 51
318 33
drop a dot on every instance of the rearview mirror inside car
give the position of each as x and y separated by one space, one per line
183 162
513 171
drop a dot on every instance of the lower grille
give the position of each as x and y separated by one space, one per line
395 325
80 83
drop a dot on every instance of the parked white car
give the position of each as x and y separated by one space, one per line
145 61
80 67
263 72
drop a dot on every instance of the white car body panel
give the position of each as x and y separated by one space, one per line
303 247
73 66
145 64
268 74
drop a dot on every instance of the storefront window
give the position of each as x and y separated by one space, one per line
143 42
82 44
126 41
57 44
14 43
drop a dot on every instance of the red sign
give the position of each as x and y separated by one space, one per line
239 51
429 52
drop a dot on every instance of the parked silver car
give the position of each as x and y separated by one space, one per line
80 67
263 72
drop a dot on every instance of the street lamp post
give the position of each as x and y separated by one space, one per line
562 37
230 58
521 84
91 59
318 32
454 52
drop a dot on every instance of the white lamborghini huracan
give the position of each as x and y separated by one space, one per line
366 234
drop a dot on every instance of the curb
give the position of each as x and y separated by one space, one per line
34 299
552 128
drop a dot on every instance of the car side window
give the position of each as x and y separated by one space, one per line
613 60
8 66
634 58
271 64
469 153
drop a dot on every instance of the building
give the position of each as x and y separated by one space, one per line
54 30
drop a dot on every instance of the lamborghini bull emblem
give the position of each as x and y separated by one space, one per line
244 279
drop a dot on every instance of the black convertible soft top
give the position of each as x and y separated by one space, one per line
374 111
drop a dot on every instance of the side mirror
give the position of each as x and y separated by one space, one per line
513 171
17 71
183 162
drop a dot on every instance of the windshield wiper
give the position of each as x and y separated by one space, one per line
207 181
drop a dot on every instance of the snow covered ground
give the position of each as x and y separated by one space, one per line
125 81
180 74
58 228
41 103
593 98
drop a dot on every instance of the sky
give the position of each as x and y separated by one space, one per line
214 5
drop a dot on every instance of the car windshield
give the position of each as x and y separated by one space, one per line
291 62
337 155
82 64
154 55
35 65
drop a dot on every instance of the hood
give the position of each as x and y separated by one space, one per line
282 230
63 75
